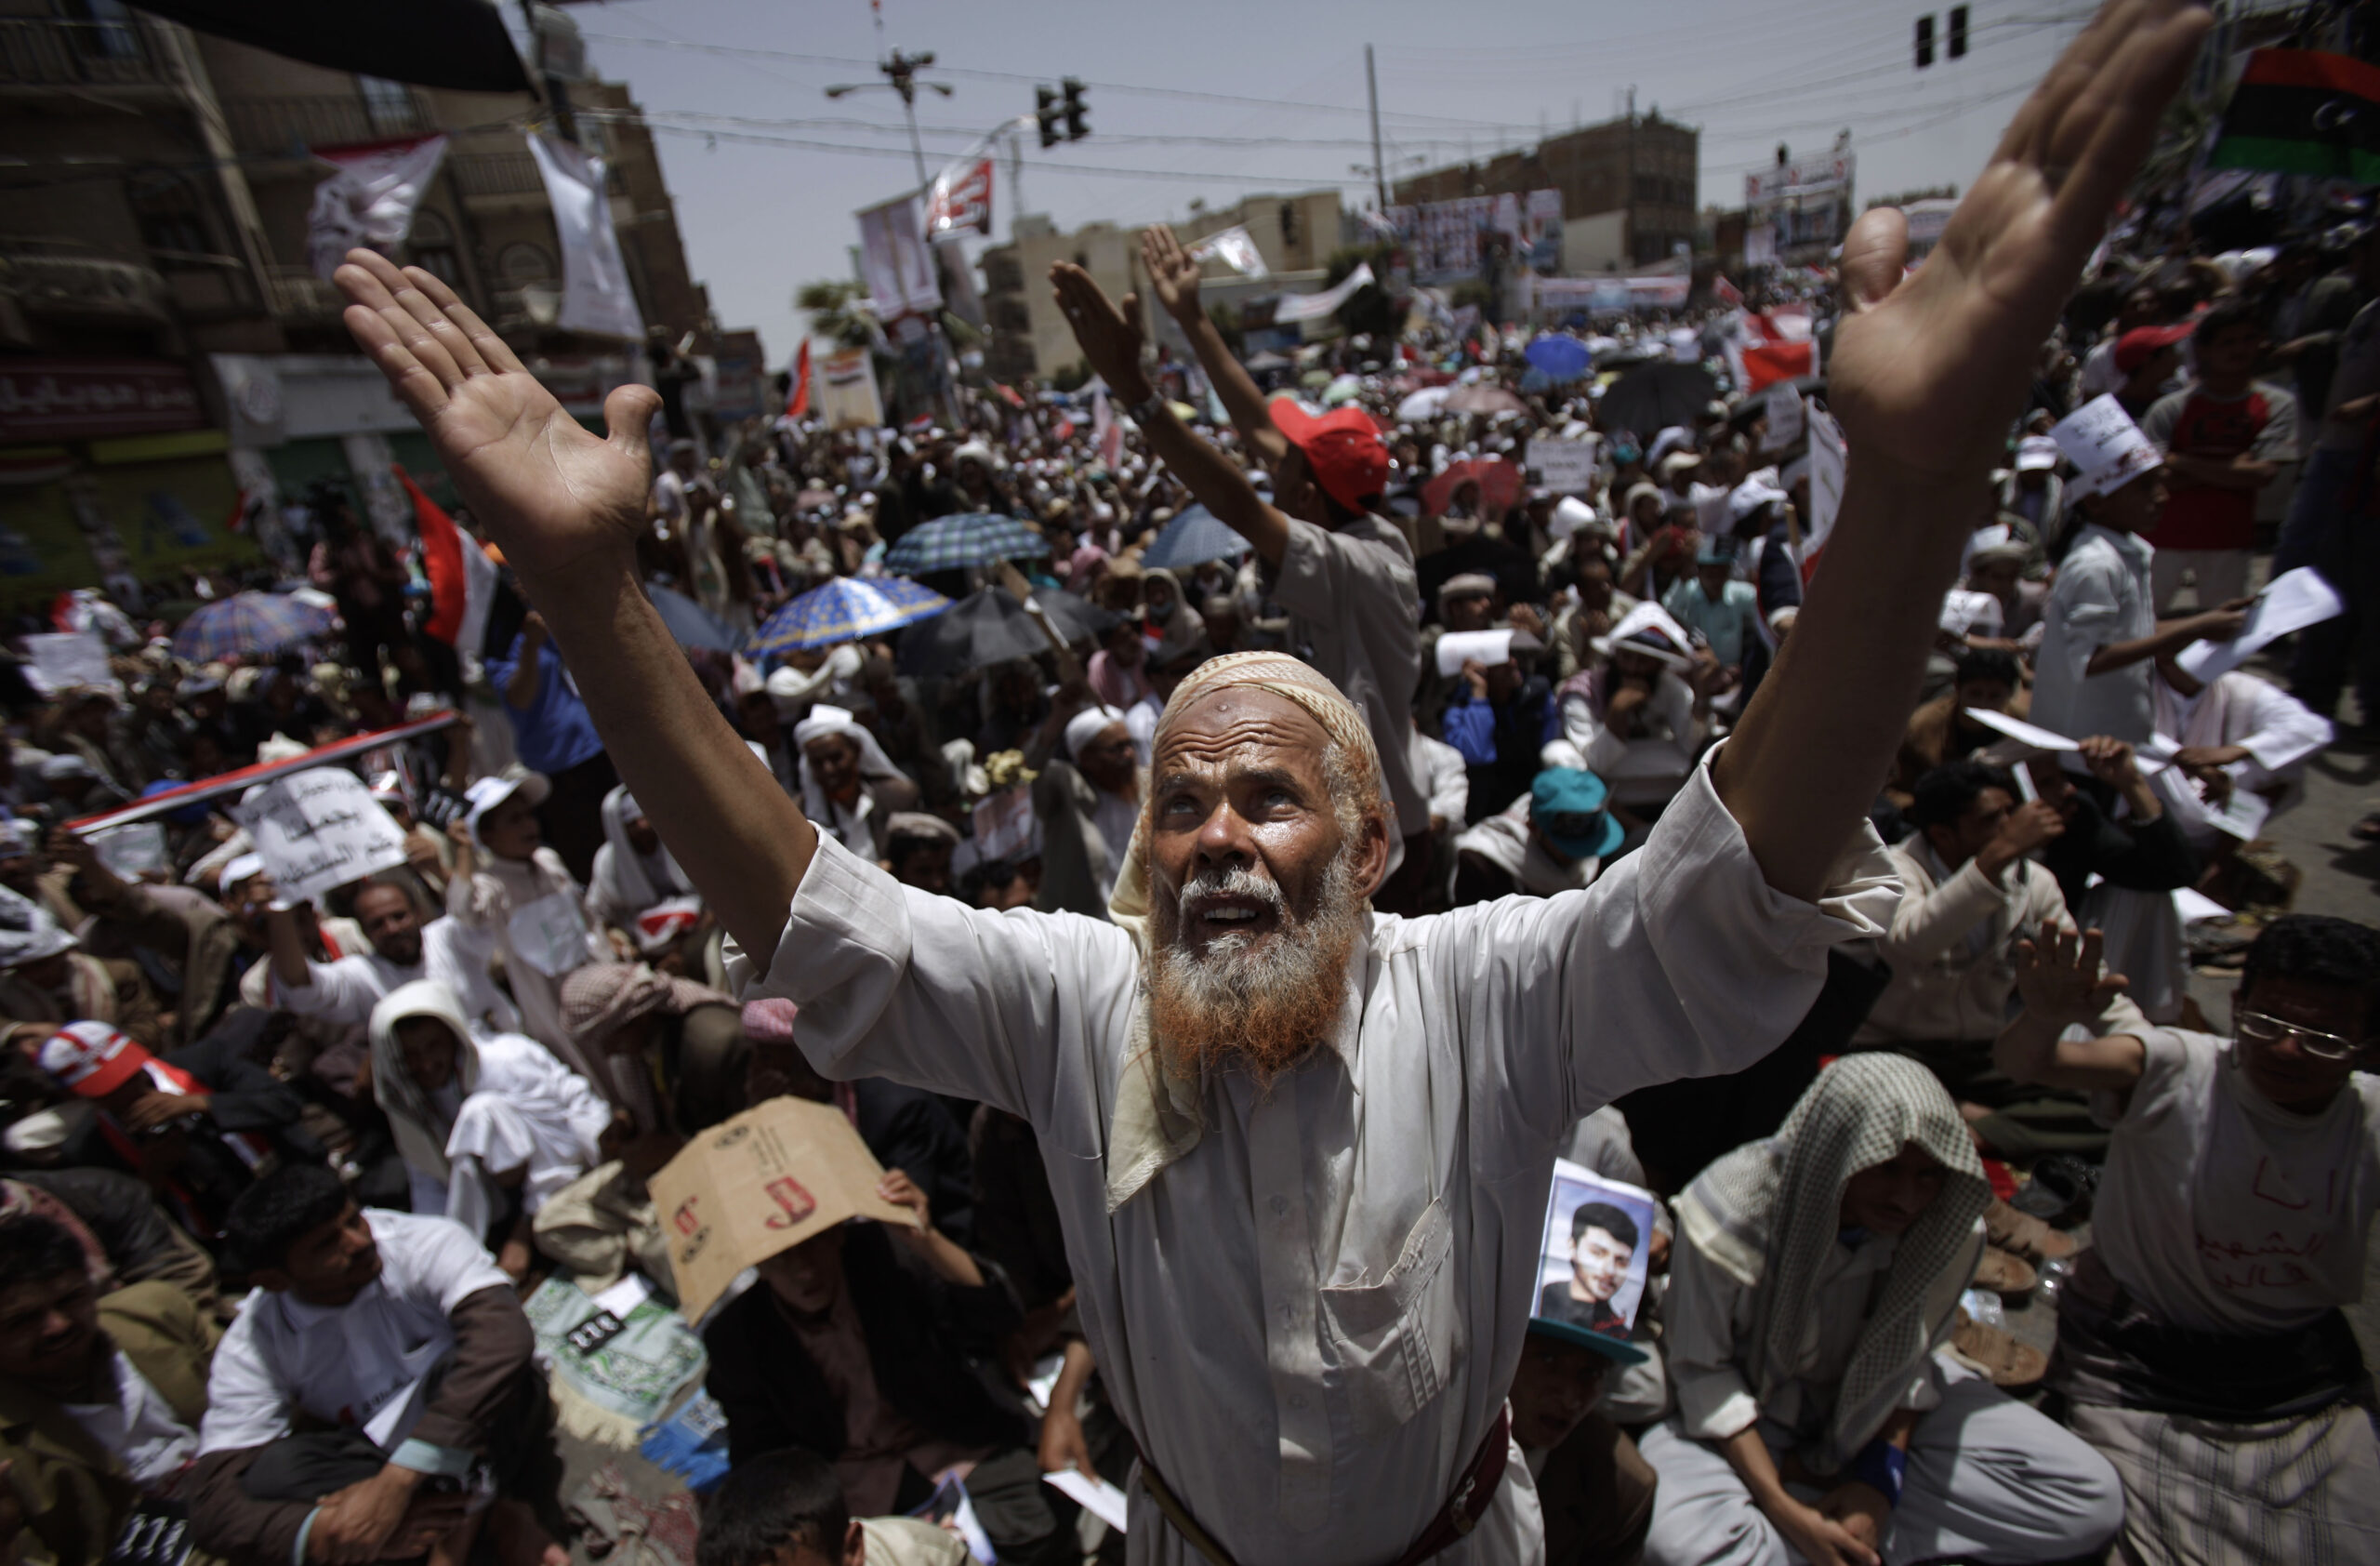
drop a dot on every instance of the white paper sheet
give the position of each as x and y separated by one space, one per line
1096 1496
2032 738
2195 906
1488 648
1044 1380
2289 601
624 1295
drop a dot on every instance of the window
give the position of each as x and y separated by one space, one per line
106 30
172 223
1288 224
388 105
431 246
524 262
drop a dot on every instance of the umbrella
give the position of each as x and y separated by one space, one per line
1342 390
990 627
1655 396
1193 537
250 625
1481 398
691 625
1500 486
844 610
1424 405
1561 358
1268 360
970 538
1315 378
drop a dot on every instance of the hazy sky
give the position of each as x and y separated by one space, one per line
1226 97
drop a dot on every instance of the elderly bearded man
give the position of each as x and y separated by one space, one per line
1301 1153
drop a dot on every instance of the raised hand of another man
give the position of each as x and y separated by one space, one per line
1110 338
1929 368
552 494
1173 275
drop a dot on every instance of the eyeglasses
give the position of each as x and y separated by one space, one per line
2264 1031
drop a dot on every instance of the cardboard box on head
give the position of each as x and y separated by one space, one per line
758 1184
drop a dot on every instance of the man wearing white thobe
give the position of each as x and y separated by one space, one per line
1307 1299
1303 1314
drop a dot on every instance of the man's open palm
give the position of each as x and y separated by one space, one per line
550 492
1928 370
1174 276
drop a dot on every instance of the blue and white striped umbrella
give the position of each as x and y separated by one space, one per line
970 538
844 610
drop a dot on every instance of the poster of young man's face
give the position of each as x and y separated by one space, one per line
1598 1236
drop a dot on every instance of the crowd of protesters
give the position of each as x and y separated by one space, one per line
279 1171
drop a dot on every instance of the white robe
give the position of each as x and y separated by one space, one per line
2277 731
1310 1317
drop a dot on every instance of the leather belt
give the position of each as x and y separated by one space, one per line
1472 1494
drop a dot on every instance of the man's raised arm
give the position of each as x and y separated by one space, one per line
1174 276
1111 342
1928 372
567 508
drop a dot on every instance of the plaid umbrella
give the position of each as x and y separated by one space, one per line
969 538
844 610
250 624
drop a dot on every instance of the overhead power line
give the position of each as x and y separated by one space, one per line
749 52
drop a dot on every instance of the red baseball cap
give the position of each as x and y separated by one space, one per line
1343 448
91 1059
2134 347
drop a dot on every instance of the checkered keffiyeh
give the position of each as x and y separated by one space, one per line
1781 1200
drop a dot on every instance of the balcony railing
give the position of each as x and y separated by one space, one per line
292 125
298 295
35 51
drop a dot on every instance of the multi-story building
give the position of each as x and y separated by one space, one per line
165 351
1630 181
1292 232
1295 234
1027 336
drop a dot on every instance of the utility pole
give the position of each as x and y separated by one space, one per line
1380 164
900 73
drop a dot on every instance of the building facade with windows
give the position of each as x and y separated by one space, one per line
169 360
1634 177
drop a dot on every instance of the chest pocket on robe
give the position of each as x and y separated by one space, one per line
1401 1337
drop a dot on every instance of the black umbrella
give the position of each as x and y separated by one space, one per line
1653 397
991 627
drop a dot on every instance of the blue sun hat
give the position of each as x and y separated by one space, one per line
1568 807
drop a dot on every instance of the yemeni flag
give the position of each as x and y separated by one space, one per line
2303 112
798 403
1776 345
462 578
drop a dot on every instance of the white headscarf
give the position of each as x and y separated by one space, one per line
620 877
1156 1118
537 1113
874 764
1088 725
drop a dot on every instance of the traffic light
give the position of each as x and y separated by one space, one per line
1957 42
1075 128
1045 109
1924 42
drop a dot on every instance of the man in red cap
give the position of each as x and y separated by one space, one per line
1345 574
2148 356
